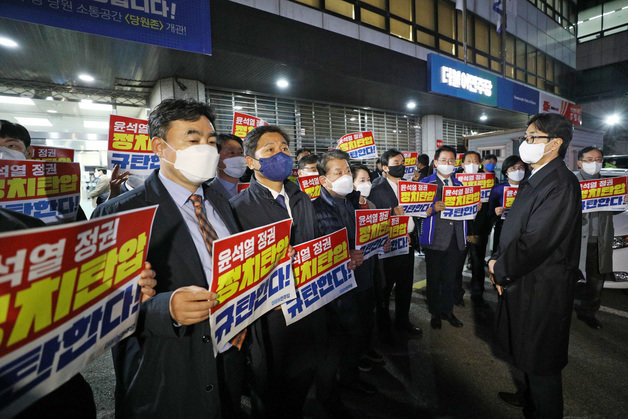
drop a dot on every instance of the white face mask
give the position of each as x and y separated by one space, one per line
197 163
445 169
10 154
343 185
471 168
235 166
591 168
364 188
532 153
516 175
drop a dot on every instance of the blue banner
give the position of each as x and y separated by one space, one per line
177 24
517 97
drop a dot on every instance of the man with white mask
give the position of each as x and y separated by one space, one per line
167 367
15 141
231 165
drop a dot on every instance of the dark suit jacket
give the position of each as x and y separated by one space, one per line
537 261
383 196
163 370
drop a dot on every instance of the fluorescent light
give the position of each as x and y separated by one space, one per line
16 100
352 118
34 122
49 98
237 108
86 77
283 83
7 42
51 111
88 104
96 124
54 135
92 136
612 119
411 105
483 117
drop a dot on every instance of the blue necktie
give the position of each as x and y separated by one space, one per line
281 200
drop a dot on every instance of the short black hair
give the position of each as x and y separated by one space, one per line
357 167
424 159
222 139
11 130
252 138
331 155
175 109
585 150
444 148
309 159
509 162
302 150
389 154
556 126
464 156
488 157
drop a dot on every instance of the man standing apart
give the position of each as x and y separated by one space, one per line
535 266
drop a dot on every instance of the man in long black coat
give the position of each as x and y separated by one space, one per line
534 267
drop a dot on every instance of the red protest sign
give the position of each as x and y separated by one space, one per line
409 160
398 236
130 146
416 198
311 186
243 124
461 202
49 153
604 194
485 180
359 145
371 230
510 193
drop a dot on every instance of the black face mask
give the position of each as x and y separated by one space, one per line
397 171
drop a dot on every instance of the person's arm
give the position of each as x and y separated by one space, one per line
101 187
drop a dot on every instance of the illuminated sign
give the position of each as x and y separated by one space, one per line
466 81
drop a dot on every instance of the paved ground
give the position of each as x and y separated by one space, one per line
452 373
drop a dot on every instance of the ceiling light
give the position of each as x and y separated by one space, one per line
54 135
612 119
88 104
7 42
16 100
49 98
411 105
86 77
92 136
352 118
237 108
283 83
96 124
483 117
34 122
51 111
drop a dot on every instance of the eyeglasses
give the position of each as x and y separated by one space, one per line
530 139
446 161
589 160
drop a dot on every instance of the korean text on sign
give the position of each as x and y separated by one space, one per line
398 236
359 145
311 186
485 180
321 273
67 294
371 232
416 198
49 153
252 274
243 124
510 193
130 146
461 202
49 191
604 194
409 160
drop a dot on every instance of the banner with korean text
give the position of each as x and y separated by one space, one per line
322 274
359 145
49 153
371 232
416 198
604 194
130 146
398 235
311 186
510 193
49 191
67 294
485 180
409 160
461 202
252 274
243 124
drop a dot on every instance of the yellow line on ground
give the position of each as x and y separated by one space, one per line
419 284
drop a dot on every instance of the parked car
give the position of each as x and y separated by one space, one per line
615 165
619 279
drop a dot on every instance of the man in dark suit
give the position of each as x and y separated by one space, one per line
283 358
167 367
398 270
535 266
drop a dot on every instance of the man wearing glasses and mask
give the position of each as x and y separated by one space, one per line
535 266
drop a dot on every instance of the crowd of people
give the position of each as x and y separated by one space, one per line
167 367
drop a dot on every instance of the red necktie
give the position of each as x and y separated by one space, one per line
209 235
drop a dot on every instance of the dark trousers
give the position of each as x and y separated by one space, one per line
589 292
546 394
231 373
477 254
399 272
442 268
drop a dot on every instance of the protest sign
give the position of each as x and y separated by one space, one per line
416 198
49 191
409 160
485 180
510 193
359 145
130 146
398 236
294 176
459 159
322 274
371 232
604 194
243 186
243 124
461 202
49 153
67 294
311 186
252 274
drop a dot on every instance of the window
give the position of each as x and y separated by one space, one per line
481 36
425 39
424 13
380 4
401 29
446 17
372 18
401 8
340 7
